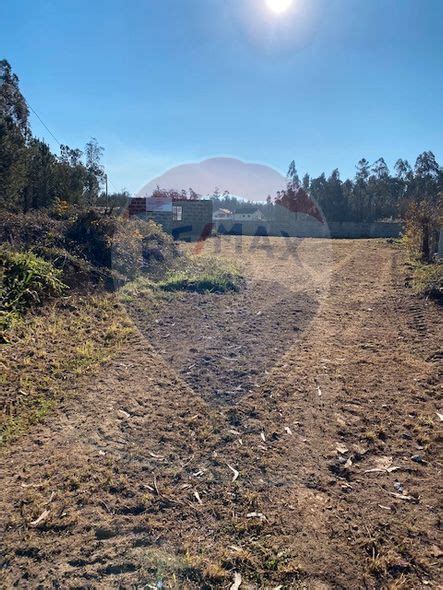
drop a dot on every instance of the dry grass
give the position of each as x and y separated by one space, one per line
315 533
428 279
47 352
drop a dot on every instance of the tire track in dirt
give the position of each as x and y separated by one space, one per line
126 456
325 420
226 346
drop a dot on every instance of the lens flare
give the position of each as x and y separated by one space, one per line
279 6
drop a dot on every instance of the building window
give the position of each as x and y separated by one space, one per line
177 213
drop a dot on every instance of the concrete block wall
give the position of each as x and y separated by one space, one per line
376 229
136 206
196 222
163 218
304 227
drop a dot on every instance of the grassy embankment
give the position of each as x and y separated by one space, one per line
59 321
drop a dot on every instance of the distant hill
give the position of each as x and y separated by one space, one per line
250 181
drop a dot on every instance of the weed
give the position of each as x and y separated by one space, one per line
27 280
370 436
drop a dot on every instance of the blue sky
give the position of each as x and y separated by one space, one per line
162 82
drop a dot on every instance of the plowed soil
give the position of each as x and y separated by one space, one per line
288 433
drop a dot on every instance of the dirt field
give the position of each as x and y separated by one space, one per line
288 433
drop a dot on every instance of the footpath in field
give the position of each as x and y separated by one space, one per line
287 434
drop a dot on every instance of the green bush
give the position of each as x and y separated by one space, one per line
26 281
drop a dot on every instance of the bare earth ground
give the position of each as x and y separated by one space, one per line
318 383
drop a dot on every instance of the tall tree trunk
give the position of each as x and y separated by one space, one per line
26 198
425 249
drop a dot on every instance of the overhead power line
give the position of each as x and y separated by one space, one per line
59 142
44 124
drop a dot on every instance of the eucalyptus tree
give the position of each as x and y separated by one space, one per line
95 171
293 177
14 133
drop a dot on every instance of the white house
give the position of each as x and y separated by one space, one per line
229 215
222 214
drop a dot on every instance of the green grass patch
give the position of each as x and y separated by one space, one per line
203 274
139 288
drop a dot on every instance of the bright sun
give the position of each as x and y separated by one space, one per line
279 6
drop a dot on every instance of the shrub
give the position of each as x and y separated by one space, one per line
27 280
77 273
158 248
128 246
91 235
36 228
428 280
91 248
141 247
423 221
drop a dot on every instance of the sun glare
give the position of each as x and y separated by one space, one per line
279 6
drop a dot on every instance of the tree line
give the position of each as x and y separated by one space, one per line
373 194
31 176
